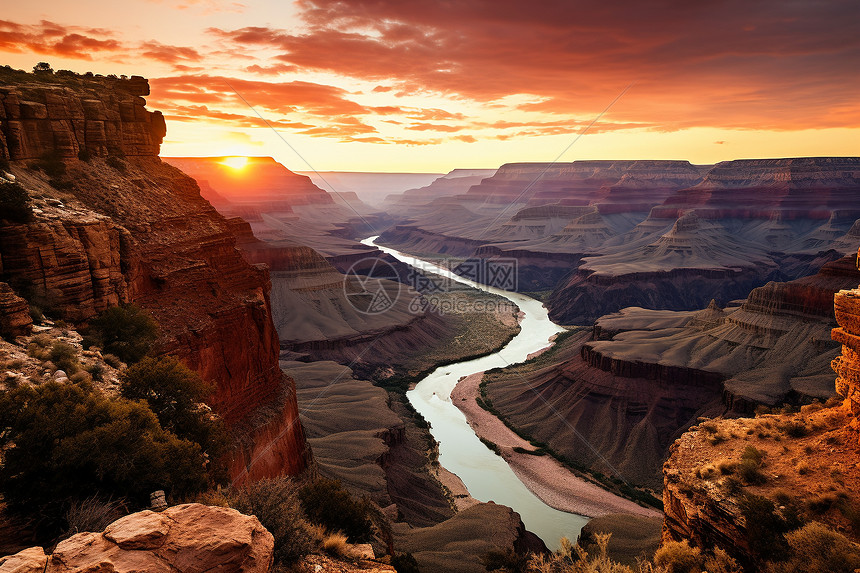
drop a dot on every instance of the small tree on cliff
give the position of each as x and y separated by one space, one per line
174 392
127 331
43 68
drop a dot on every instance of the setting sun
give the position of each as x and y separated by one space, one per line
235 162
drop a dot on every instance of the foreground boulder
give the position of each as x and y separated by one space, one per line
188 538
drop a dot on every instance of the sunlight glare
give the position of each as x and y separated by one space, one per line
235 162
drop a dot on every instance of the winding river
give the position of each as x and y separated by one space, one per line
486 475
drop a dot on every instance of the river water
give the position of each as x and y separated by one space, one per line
486 475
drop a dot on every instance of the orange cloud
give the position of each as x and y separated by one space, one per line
169 54
49 38
728 63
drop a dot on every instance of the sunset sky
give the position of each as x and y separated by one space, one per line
394 85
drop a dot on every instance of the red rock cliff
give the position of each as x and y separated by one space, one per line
141 233
847 365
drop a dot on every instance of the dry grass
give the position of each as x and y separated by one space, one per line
92 514
336 544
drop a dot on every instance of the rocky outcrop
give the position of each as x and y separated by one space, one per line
14 313
73 263
189 537
847 364
99 116
139 231
703 517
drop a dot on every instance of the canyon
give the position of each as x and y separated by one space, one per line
593 237
691 292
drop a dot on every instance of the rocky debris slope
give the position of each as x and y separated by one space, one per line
137 230
190 537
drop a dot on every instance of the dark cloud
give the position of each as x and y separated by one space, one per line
279 97
724 63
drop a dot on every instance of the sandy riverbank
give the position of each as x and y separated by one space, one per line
543 475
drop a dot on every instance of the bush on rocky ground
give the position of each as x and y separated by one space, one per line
126 331
64 442
326 502
276 504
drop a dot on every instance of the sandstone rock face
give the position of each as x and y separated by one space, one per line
14 313
190 537
32 560
847 365
74 263
704 518
143 234
65 119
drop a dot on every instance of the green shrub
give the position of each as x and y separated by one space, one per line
126 331
509 561
275 503
65 357
794 429
14 203
68 441
326 502
816 549
749 468
405 563
494 447
174 392
679 557
765 527
97 371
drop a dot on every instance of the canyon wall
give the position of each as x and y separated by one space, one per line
134 229
602 235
